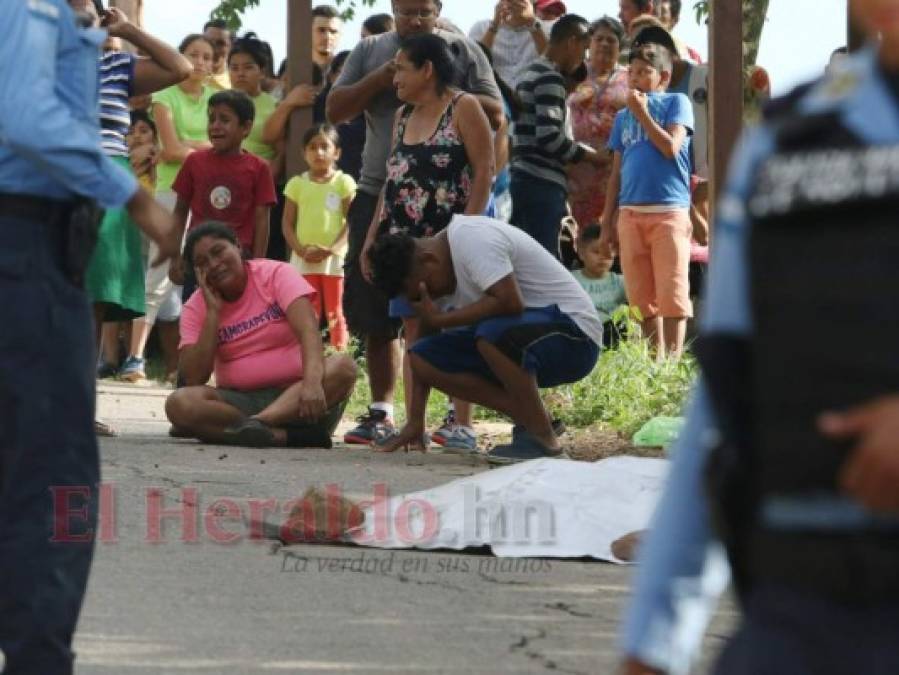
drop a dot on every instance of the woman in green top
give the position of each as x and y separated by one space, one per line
180 113
247 63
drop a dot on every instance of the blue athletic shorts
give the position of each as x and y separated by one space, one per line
543 341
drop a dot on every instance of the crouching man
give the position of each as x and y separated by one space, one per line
501 319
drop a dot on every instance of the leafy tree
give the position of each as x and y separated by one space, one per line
232 11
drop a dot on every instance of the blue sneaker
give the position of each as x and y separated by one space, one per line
133 370
376 424
461 441
522 449
446 429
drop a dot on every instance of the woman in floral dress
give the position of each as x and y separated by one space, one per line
441 165
593 107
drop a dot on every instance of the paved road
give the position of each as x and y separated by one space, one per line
251 607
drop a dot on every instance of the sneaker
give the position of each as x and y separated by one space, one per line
133 370
446 429
106 370
373 425
524 448
462 441
382 437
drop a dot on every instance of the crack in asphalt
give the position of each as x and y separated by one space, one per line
568 609
524 646
494 580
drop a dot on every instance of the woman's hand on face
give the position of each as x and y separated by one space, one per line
210 295
312 403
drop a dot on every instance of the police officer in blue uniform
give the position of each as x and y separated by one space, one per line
54 180
786 476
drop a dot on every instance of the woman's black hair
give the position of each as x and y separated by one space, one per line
612 25
190 39
326 130
425 47
377 24
391 260
505 90
253 47
144 116
210 228
238 101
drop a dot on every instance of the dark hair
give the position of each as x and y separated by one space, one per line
220 24
612 25
210 228
144 116
282 68
326 12
589 234
655 35
98 5
377 24
391 260
190 39
253 47
840 50
568 26
642 5
508 94
239 102
656 55
425 47
326 130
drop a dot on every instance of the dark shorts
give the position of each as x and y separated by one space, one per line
254 402
543 341
364 306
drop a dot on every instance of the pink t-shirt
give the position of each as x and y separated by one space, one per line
256 346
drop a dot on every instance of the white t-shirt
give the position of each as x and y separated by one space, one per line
485 250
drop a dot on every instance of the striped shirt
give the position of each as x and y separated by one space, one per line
541 136
116 83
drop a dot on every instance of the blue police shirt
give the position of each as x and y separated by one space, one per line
49 126
683 568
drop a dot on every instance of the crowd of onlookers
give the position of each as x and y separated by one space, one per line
589 134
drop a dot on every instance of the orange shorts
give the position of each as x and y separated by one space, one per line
655 258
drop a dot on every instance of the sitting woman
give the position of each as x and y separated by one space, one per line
254 326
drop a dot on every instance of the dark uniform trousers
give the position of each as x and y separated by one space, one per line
49 465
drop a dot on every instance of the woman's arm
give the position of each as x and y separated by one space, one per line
196 362
172 149
164 67
304 323
472 125
301 96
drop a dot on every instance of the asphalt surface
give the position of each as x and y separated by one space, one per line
254 606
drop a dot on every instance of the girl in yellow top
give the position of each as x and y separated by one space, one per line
314 225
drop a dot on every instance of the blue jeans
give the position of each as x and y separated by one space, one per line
538 207
47 444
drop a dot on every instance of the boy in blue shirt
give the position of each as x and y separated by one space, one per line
650 186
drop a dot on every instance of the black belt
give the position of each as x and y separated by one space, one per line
39 209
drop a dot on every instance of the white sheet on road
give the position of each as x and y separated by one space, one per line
542 508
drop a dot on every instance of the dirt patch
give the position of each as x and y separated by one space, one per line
586 445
